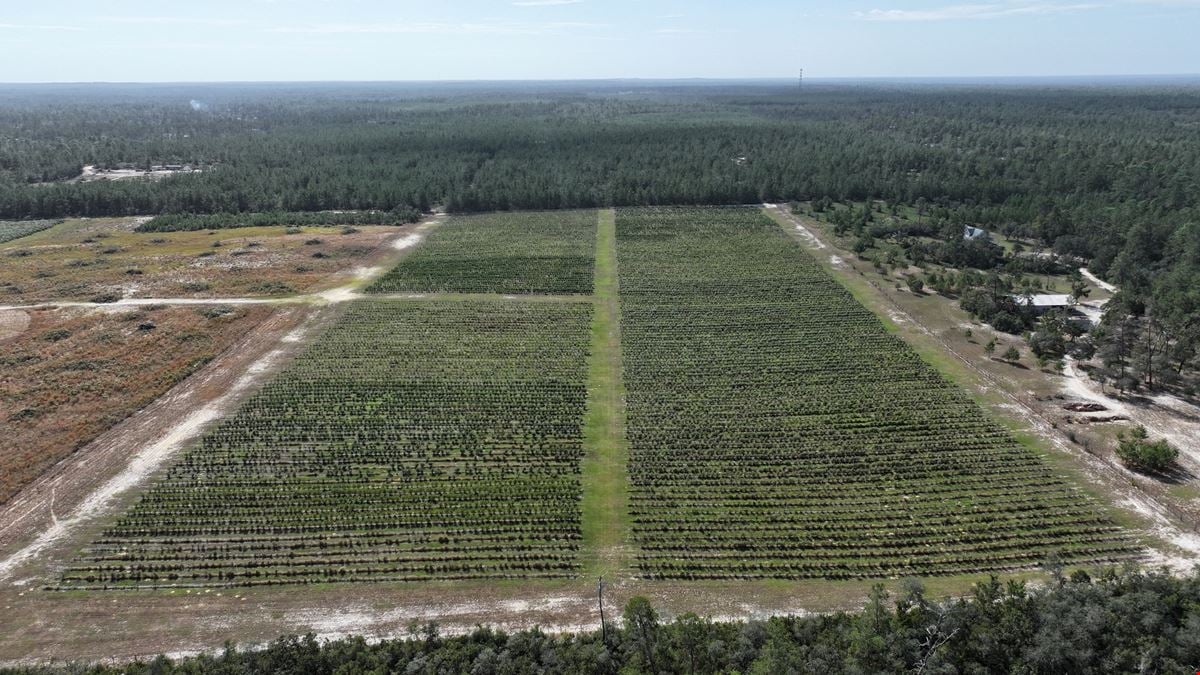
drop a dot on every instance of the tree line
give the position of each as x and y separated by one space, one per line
1108 175
1123 621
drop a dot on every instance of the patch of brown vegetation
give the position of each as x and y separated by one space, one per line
72 374
88 260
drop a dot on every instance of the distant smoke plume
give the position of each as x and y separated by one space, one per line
198 105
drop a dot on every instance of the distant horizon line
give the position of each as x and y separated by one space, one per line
698 79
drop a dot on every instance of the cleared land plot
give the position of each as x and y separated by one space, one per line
413 440
68 375
778 431
103 260
15 229
512 253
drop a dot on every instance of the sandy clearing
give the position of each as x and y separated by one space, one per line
413 238
1093 310
407 241
333 295
92 173
142 302
361 275
1163 415
373 623
339 294
366 273
1187 544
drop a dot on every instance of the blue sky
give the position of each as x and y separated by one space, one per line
206 40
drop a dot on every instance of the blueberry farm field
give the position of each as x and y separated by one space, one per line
777 430
679 399
507 253
15 229
412 441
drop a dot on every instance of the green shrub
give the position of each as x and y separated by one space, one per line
1138 452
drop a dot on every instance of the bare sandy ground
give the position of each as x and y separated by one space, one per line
1087 274
1163 415
92 173
13 322
358 277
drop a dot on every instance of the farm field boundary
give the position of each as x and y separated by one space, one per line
70 625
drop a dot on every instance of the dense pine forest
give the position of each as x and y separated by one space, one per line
1110 175
1122 622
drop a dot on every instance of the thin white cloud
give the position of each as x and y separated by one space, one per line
170 20
974 12
35 26
466 28
545 3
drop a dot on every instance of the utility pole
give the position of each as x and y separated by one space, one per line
603 624
801 84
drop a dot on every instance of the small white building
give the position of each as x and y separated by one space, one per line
970 232
1044 302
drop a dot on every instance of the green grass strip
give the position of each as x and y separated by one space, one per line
605 479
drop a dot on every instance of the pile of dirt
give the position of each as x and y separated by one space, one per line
1084 407
1094 419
